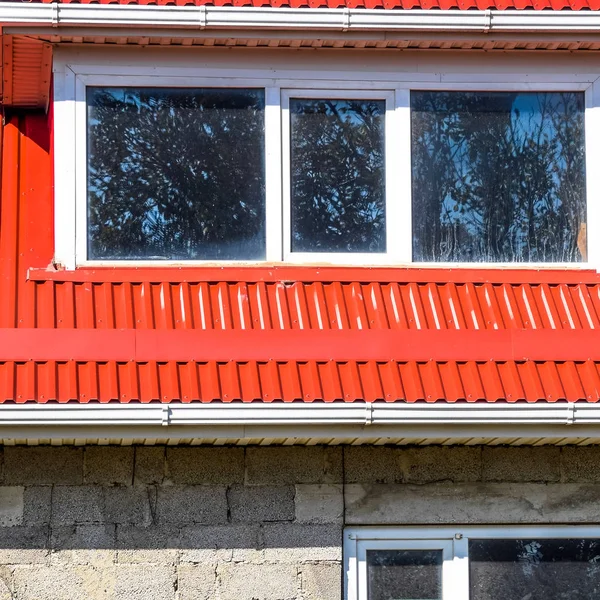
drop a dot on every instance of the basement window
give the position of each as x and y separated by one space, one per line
329 167
471 563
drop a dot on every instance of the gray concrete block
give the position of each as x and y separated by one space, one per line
145 582
276 465
83 545
251 504
208 544
108 465
430 464
321 582
239 581
24 545
299 542
43 465
128 505
373 464
471 503
196 582
192 504
37 504
157 544
77 504
205 465
150 465
521 464
11 506
580 464
64 582
319 503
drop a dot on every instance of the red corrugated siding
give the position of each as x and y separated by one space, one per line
384 4
269 299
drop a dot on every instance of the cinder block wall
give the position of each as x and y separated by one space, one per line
264 523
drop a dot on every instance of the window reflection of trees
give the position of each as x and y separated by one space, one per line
176 174
498 176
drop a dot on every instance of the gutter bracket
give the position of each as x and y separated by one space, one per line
487 21
346 19
570 413
368 413
202 16
54 17
165 416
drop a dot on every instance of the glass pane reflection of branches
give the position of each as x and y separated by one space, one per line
176 173
498 177
534 569
337 175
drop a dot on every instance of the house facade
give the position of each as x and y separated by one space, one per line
300 301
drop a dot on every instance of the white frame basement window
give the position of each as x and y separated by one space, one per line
452 545
394 88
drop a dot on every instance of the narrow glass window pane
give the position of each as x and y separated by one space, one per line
498 177
176 174
534 569
404 574
338 178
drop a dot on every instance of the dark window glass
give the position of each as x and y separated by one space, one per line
534 569
404 574
176 173
498 176
337 172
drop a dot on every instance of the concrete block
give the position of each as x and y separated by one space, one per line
298 542
37 504
223 543
150 465
251 504
319 503
205 465
321 582
83 545
145 582
430 464
77 504
521 464
152 544
108 465
23 545
128 505
43 465
580 464
196 582
192 504
11 506
239 581
6 584
64 582
379 504
276 465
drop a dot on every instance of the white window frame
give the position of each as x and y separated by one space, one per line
70 81
453 541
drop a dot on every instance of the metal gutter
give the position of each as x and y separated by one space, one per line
245 18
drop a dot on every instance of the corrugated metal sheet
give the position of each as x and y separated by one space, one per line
384 4
291 381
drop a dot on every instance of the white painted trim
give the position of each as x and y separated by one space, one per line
454 542
348 19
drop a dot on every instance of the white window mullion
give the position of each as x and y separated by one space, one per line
286 175
81 212
273 173
458 586
398 179
592 174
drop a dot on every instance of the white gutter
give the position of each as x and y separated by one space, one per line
217 17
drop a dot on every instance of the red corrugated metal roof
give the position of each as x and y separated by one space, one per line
382 4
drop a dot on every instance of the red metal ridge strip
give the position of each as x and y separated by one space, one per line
310 274
262 345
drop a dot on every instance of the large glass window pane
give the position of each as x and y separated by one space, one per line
337 175
498 176
176 173
404 574
534 569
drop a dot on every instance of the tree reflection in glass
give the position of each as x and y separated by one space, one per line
176 173
498 176
337 175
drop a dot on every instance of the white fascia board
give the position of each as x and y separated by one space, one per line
265 18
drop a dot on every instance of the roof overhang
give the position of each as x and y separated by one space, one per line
317 423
